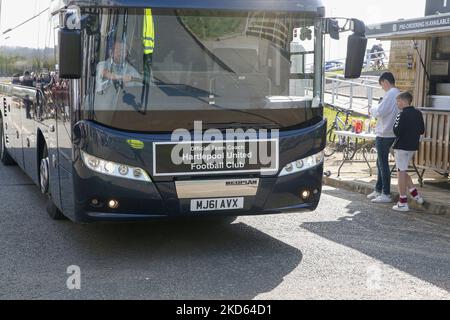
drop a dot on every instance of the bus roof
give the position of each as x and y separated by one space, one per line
311 6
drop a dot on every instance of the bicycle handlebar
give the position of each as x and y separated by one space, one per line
341 110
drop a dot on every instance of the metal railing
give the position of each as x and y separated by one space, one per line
359 94
372 62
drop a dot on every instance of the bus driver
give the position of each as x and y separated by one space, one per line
117 70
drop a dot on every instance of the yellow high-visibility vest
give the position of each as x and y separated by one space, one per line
149 32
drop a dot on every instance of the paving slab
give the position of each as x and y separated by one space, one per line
355 176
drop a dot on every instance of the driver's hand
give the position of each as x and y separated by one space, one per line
126 78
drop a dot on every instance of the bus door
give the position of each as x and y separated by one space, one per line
46 122
15 138
28 131
62 100
7 117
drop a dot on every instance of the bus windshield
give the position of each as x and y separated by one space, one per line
159 70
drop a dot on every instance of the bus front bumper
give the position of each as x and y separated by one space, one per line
141 202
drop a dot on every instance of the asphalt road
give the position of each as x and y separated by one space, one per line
345 250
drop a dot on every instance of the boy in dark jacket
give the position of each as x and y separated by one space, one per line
408 128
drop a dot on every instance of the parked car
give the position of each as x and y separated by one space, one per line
334 65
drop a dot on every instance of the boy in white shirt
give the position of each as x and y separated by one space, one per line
386 113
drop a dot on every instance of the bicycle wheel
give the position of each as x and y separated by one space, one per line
330 149
350 150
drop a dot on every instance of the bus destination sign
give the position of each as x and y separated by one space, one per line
209 158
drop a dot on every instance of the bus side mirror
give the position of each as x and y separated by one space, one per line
356 51
70 54
332 28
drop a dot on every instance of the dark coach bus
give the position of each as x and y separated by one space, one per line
134 110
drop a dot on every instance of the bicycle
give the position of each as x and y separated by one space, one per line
339 124
378 64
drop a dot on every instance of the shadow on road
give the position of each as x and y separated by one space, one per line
419 247
186 260
152 260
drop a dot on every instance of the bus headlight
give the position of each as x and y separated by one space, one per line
114 169
303 164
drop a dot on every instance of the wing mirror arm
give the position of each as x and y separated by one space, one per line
356 46
334 29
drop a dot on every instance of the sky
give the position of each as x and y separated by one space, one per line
12 9
369 11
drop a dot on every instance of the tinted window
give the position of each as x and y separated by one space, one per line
244 63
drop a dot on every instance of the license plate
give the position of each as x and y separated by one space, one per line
221 204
